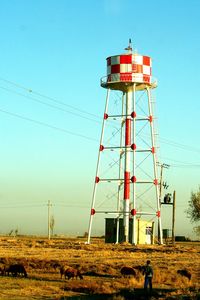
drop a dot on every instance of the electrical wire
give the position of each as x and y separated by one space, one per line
179 145
185 166
29 90
179 161
47 125
22 206
49 105
182 164
176 145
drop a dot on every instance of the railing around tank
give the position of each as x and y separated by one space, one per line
128 77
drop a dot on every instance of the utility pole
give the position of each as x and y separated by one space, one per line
162 166
49 231
173 218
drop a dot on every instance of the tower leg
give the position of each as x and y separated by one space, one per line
154 164
92 212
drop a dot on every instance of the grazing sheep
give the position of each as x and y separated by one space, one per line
127 271
185 273
72 273
56 265
2 269
16 269
63 269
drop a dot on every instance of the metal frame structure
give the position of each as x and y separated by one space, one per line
128 153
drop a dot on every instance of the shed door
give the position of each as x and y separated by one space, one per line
148 235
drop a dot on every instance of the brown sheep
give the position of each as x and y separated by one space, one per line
63 269
185 273
56 265
16 269
72 273
127 271
2 269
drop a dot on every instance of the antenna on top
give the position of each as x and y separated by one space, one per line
129 48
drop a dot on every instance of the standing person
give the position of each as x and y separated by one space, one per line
148 272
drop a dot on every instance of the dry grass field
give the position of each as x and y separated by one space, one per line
100 265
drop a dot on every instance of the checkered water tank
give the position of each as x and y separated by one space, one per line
129 68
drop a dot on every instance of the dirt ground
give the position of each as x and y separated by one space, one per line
100 266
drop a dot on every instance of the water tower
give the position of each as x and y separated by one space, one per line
133 150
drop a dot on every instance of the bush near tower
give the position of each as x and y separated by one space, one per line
193 211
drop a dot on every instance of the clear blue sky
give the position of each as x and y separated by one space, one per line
59 49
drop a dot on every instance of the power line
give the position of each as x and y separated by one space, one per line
22 206
179 145
49 105
47 125
183 164
18 205
29 90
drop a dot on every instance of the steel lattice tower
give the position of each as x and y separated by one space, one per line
130 76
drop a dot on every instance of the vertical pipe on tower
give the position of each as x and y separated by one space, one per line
120 171
134 183
127 164
97 168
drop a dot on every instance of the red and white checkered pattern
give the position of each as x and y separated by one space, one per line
129 68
